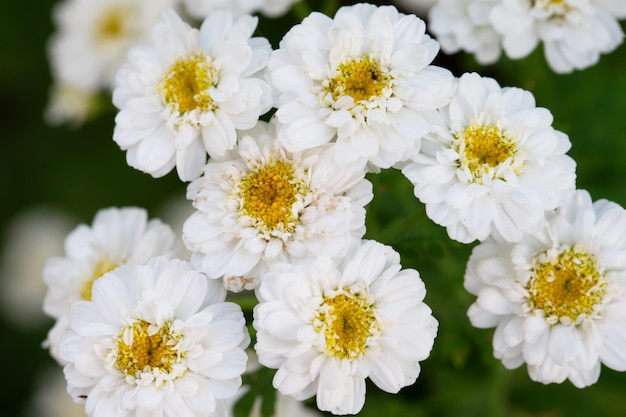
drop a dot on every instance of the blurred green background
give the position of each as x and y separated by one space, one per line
79 171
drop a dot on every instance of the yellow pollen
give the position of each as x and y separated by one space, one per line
268 195
146 352
360 79
347 322
102 267
566 287
185 87
483 147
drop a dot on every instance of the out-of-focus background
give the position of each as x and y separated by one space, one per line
52 178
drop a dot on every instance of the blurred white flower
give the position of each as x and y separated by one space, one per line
493 163
574 33
32 236
464 25
184 95
92 37
557 297
70 104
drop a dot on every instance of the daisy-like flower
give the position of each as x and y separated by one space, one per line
200 9
155 339
117 236
327 326
463 25
362 80
267 205
184 95
93 36
574 32
492 163
556 298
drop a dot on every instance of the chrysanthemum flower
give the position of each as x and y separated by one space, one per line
267 205
362 80
117 236
557 297
92 37
327 326
574 32
156 339
183 96
463 25
200 9
492 163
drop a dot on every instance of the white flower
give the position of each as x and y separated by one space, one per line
156 339
556 298
117 236
327 326
492 163
69 104
92 37
362 80
268 205
463 25
30 238
184 95
574 32
199 9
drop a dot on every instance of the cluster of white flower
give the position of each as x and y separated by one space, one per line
280 209
574 33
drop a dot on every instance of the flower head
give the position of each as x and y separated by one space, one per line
574 32
556 298
92 38
327 326
117 236
463 25
361 80
156 339
183 97
267 205
492 163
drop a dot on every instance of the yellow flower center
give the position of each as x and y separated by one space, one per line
268 195
361 79
483 148
102 267
347 322
187 83
567 286
112 24
144 348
